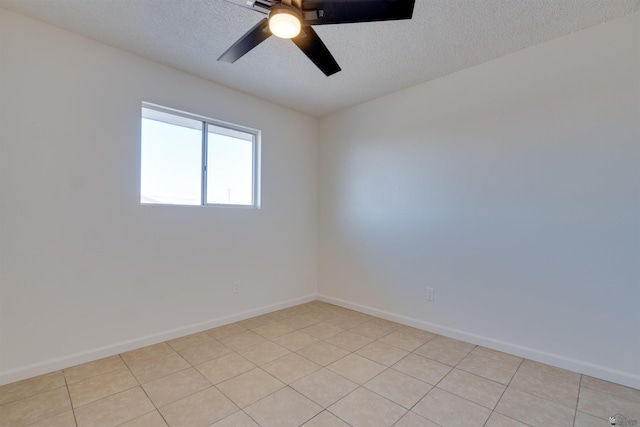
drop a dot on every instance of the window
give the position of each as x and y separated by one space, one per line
190 160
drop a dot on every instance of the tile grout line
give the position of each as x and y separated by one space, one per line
386 368
575 414
336 373
540 397
323 315
502 395
144 391
439 381
73 410
191 366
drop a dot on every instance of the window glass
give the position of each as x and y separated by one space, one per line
171 153
173 168
229 167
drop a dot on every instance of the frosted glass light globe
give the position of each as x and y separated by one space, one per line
284 23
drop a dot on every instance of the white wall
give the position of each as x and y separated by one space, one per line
513 189
86 271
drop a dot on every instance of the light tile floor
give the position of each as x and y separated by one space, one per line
315 365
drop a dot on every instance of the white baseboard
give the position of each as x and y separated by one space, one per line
583 367
110 350
580 366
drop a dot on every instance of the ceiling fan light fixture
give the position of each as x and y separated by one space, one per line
285 21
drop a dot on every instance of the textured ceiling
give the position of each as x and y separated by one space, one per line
377 58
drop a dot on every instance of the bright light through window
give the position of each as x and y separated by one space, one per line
175 171
171 160
229 166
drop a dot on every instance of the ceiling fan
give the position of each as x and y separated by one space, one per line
292 19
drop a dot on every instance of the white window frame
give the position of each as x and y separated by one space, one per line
232 128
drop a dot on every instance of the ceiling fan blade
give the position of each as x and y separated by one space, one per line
310 43
252 38
319 12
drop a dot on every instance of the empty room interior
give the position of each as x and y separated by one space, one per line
410 214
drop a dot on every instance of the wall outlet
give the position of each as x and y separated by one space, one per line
236 287
430 294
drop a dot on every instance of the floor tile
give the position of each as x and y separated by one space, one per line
322 330
349 341
238 419
335 310
399 338
290 368
323 314
198 410
442 353
534 410
497 355
323 353
498 420
250 387
114 410
35 408
147 354
325 419
415 332
356 368
256 322
151 419
242 340
491 369
295 340
101 386
551 371
281 315
460 345
365 408
411 419
175 387
422 368
204 352
324 387
375 329
621 391
356 315
587 420
65 419
399 388
225 331
225 367
293 311
382 353
192 340
347 321
29 387
285 407
262 353
394 365
472 387
546 386
384 323
300 321
161 366
273 330
447 410
91 369
604 405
